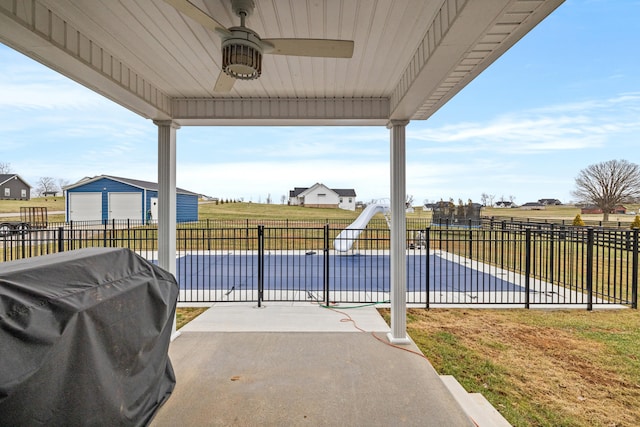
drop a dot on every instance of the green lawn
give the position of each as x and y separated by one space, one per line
557 213
51 203
263 211
539 367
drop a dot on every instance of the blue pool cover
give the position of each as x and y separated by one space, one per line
345 273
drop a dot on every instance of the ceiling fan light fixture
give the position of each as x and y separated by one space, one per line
242 54
242 48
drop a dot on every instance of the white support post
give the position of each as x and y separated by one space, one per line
398 334
167 217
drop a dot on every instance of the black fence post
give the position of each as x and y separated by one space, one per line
590 232
325 251
552 240
72 235
503 234
527 267
208 235
470 241
634 269
260 264
427 245
246 235
60 239
23 244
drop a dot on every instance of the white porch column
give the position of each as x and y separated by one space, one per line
167 198
398 334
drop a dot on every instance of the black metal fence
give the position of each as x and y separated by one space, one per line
487 262
527 222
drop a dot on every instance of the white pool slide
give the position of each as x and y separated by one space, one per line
349 235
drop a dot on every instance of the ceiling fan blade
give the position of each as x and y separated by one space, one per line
224 83
324 48
198 15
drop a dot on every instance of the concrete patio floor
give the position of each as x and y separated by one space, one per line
289 364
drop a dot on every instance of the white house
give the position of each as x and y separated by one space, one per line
504 204
321 196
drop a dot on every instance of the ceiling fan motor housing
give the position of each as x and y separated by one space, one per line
242 54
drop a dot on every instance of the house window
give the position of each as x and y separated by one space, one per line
340 199
7 192
23 193
321 194
350 200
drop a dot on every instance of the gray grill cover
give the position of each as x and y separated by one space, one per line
84 339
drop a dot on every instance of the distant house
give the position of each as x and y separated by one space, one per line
533 206
504 204
107 197
12 187
620 210
592 209
550 202
321 196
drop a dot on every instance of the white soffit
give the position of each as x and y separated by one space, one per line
410 56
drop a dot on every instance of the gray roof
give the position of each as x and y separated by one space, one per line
4 177
146 185
344 192
296 191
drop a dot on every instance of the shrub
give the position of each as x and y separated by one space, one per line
577 221
636 222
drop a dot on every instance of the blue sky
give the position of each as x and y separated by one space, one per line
566 96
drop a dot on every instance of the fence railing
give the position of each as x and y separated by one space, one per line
527 222
482 263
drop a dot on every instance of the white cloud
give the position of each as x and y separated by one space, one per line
571 126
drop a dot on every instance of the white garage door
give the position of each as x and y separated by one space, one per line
85 206
125 206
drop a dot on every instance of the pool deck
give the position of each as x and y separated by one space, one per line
289 364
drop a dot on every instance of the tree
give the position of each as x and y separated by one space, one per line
46 183
408 201
62 183
608 184
577 221
636 222
5 168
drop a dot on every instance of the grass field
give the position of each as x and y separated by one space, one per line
53 204
275 211
538 367
558 213
254 210
266 212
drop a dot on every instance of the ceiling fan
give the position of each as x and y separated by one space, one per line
242 48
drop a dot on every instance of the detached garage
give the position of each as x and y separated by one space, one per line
105 198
